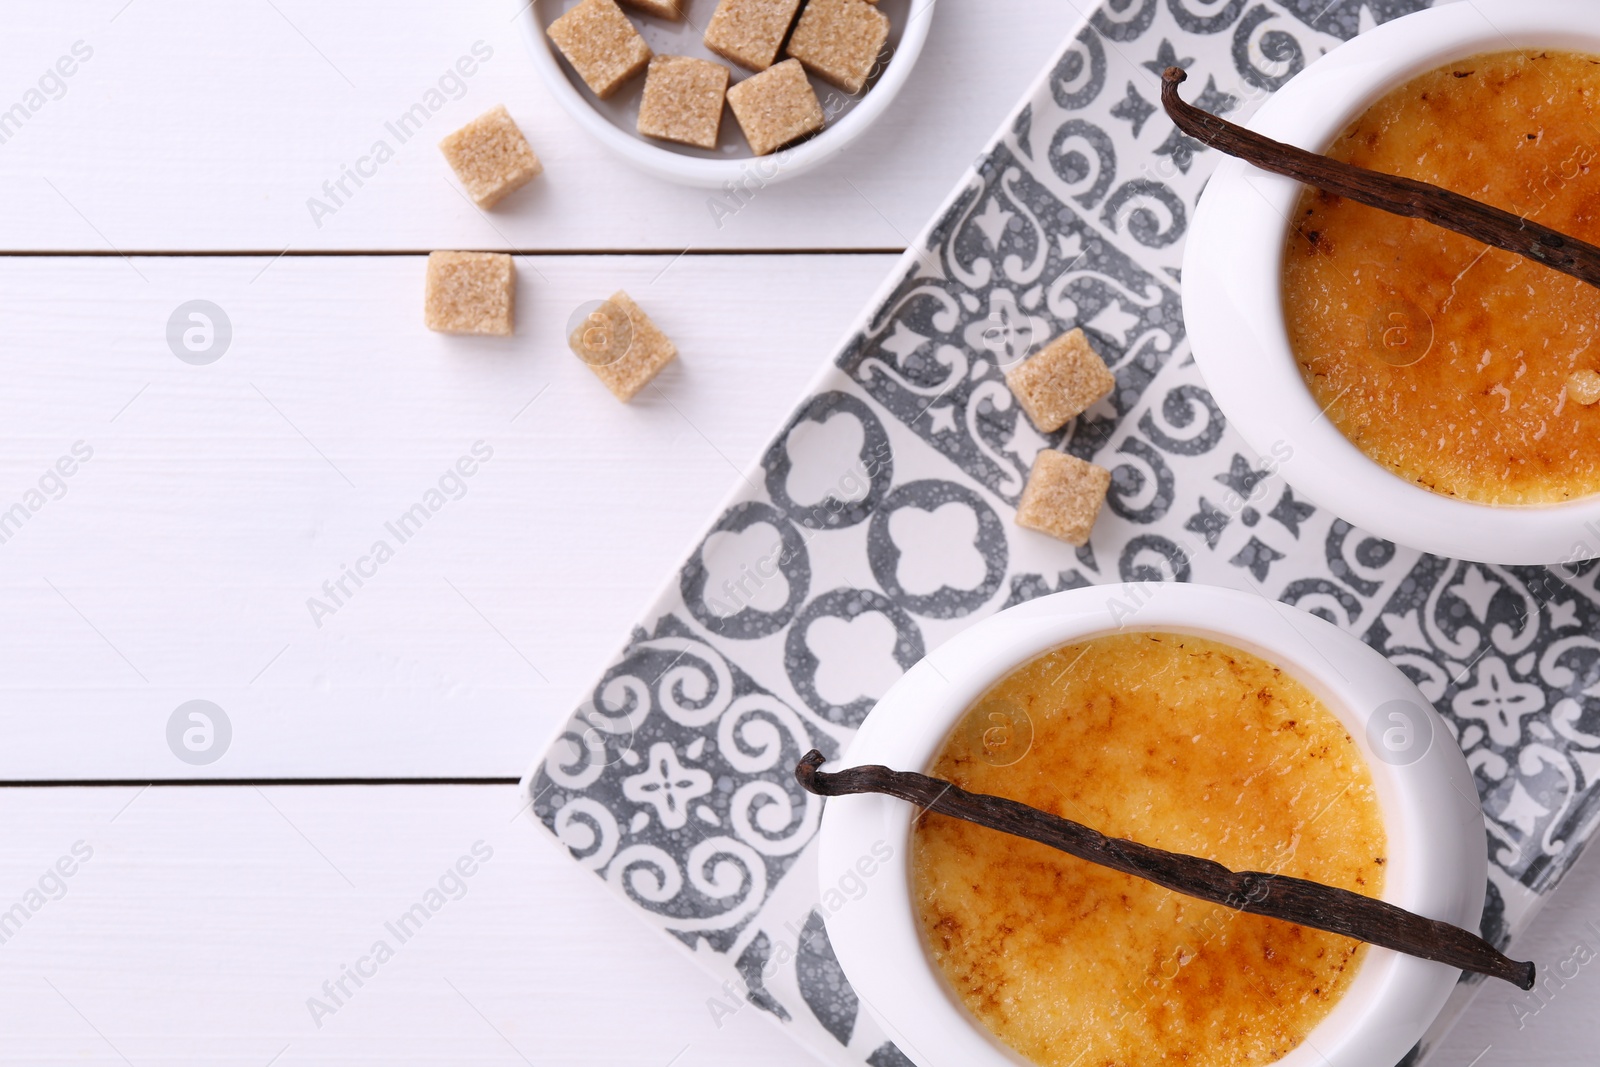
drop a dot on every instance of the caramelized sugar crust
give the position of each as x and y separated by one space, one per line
1484 412
1181 743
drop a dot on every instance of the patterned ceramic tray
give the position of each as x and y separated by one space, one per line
882 525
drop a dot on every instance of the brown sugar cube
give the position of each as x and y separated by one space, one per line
491 157
470 292
1584 387
776 107
622 346
683 100
1060 381
1063 497
840 40
666 9
601 44
749 32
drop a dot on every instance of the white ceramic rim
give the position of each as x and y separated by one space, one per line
1438 861
1233 308
714 173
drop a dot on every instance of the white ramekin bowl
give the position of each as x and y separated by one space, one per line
697 168
1438 864
1232 290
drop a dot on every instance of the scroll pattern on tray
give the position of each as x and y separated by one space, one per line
880 524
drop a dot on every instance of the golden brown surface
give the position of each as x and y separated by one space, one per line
776 107
1485 414
471 292
749 32
601 44
1063 496
491 157
620 343
1181 743
840 41
683 100
1058 383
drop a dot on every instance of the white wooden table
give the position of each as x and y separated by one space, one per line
374 747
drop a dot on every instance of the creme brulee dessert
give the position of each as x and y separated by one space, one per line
1178 742
1446 361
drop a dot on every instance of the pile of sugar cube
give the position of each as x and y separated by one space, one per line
1053 386
475 292
839 41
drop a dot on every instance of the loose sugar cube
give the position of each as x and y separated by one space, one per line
683 100
749 32
1584 387
622 346
491 157
1063 497
666 9
776 107
1060 381
601 44
840 40
470 292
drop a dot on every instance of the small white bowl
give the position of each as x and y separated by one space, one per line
612 121
1232 290
1438 861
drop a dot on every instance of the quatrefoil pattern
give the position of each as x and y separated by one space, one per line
879 523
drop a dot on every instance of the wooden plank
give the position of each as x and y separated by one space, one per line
199 552
205 919
1555 1025
206 126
